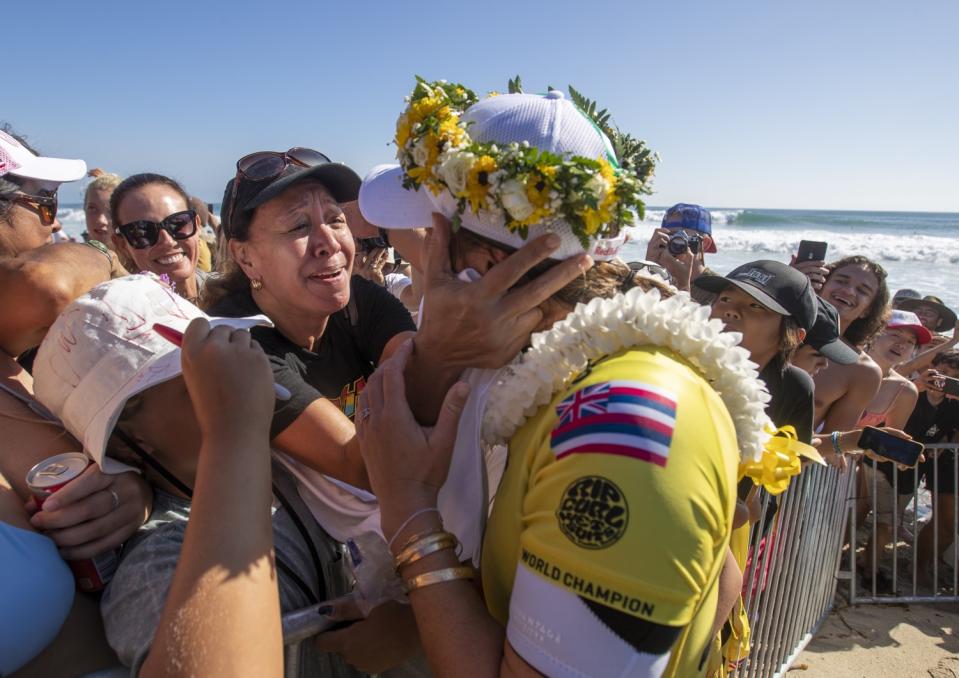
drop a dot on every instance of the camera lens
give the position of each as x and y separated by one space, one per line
677 244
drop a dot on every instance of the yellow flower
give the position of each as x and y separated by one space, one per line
593 220
423 108
478 182
403 128
539 184
603 187
451 131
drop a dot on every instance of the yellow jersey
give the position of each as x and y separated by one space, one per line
621 492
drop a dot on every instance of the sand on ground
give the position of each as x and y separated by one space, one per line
884 640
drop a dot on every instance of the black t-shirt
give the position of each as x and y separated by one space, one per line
792 398
930 423
349 349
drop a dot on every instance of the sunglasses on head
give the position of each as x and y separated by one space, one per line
142 233
266 165
45 204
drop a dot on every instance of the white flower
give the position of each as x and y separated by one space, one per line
598 186
512 194
421 153
453 169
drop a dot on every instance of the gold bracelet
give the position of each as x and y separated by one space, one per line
439 576
417 536
425 546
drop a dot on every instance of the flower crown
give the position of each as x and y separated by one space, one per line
519 183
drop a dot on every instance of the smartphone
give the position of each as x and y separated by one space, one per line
950 386
905 452
811 250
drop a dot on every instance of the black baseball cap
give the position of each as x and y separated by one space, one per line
341 181
775 285
825 333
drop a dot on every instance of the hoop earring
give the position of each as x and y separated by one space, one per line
256 285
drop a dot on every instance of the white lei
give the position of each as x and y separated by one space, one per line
637 318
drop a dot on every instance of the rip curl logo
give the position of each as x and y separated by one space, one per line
760 276
593 513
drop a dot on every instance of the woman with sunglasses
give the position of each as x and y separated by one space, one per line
157 230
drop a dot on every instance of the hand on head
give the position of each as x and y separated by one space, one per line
486 323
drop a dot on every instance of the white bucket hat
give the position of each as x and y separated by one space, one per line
549 122
15 158
102 350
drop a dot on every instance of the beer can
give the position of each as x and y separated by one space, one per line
91 574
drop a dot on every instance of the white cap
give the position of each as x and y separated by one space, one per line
102 350
549 122
15 158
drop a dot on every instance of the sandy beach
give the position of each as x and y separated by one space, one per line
884 640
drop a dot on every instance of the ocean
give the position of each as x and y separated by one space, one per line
918 249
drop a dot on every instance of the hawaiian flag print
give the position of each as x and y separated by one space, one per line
626 418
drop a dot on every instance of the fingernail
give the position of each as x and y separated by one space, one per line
552 241
51 504
35 520
324 610
586 263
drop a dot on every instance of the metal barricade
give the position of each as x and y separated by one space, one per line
790 580
297 627
929 487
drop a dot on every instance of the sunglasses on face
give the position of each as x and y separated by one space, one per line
265 165
45 204
142 233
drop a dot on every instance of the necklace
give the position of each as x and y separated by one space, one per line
636 318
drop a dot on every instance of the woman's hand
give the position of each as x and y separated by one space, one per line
407 463
386 638
370 265
816 271
95 512
229 380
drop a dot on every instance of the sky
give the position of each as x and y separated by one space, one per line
811 105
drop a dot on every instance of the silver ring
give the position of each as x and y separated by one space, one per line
364 414
116 498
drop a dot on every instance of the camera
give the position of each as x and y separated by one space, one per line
370 244
679 242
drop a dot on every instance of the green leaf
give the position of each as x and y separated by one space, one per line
515 86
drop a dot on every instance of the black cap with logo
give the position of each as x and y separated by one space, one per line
775 285
825 336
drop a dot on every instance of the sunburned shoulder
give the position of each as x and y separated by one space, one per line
899 379
864 368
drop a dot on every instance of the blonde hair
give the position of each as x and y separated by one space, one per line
103 182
